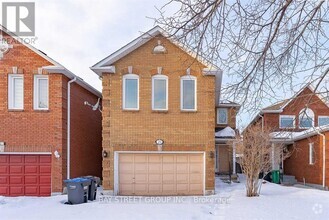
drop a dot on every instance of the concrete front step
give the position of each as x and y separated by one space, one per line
288 180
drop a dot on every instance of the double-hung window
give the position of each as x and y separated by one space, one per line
188 93
222 116
41 92
323 120
15 92
160 92
287 121
130 92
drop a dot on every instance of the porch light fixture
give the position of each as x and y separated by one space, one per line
104 154
159 143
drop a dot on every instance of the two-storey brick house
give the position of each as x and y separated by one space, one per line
301 123
34 116
158 119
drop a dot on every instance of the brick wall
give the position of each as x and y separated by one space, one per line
231 114
137 130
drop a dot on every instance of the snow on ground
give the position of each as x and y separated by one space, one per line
275 202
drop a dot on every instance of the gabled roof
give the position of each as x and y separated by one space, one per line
106 63
56 67
228 103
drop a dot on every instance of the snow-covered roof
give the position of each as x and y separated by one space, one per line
298 135
228 103
227 132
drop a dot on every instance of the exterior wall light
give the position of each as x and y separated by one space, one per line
159 143
104 154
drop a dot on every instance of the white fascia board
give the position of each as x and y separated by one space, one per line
272 111
100 70
70 75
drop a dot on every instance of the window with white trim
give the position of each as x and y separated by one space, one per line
311 153
160 92
287 121
188 93
130 92
41 92
222 116
15 91
323 120
306 118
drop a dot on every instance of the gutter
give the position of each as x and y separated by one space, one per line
68 161
323 159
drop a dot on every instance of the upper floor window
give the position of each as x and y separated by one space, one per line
222 116
323 120
41 92
188 93
159 92
306 118
15 91
130 92
287 121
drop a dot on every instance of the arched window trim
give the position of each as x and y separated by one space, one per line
187 78
306 113
162 77
125 77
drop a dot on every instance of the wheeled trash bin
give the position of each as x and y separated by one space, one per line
77 190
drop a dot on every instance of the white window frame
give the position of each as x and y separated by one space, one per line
129 76
183 78
311 154
36 92
226 116
301 114
319 117
293 117
161 77
11 78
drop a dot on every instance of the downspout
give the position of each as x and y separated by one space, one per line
323 159
262 121
68 161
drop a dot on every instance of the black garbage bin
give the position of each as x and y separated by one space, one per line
77 190
92 188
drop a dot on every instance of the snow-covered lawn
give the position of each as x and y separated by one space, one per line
276 202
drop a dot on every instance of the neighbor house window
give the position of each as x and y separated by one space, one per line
188 93
287 121
15 91
222 115
311 154
41 92
306 118
131 92
159 92
323 120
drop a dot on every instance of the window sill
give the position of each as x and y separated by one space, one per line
15 110
188 111
160 111
130 110
41 110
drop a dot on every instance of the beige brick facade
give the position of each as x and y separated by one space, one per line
137 130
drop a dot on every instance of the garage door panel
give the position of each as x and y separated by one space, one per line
28 175
155 178
4 159
31 169
16 159
31 179
16 169
183 158
45 180
31 159
4 169
16 190
31 190
161 174
16 180
168 168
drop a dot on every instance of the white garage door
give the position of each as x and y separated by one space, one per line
161 174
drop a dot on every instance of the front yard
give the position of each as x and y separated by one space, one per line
275 202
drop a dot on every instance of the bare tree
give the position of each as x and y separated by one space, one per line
259 155
264 46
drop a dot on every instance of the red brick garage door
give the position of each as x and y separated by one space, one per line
25 175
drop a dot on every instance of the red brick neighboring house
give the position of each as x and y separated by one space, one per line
302 124
33 120
158 119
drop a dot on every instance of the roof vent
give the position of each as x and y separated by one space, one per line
159 49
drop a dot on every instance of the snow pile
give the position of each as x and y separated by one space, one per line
275 202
